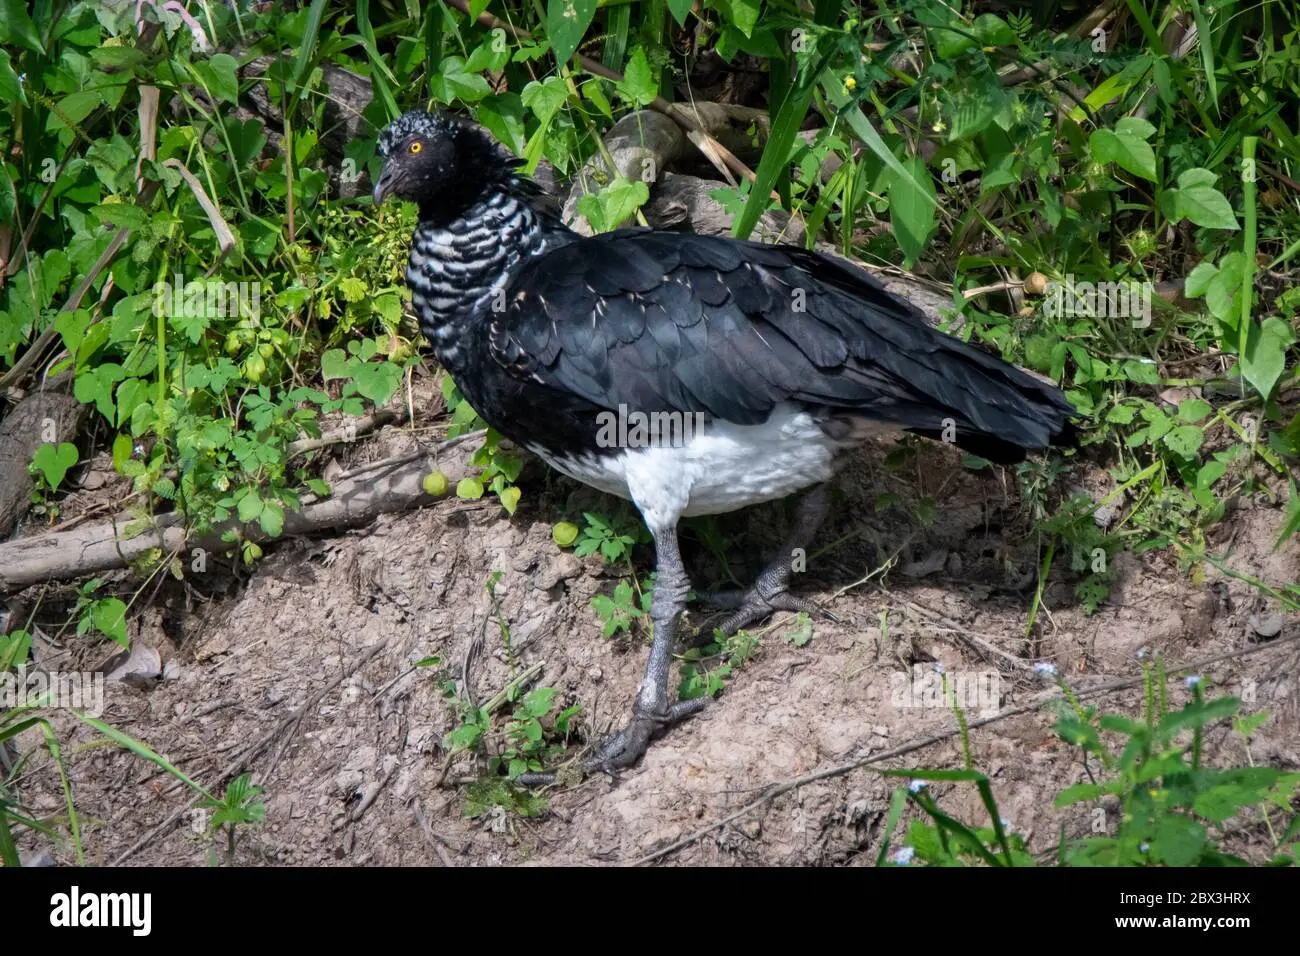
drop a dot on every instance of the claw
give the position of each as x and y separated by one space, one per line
629 745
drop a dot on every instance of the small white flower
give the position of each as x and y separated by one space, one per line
938 668
1045 669
916 786
904 856
1144 847
1142 653
1192 681
1006 825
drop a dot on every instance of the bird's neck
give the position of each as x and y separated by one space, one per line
459 270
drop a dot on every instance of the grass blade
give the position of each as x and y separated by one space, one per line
307 52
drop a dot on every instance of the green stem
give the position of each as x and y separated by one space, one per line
1248 273
161 334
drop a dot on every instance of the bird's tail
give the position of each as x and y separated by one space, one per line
984 405
920 379
938 386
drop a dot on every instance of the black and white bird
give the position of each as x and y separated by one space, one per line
787 358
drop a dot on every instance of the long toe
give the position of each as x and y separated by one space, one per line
629 745
756 607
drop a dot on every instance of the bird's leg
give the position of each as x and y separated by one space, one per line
771 591
652 710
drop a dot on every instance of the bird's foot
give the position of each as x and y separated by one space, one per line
623 749
754 605
626 747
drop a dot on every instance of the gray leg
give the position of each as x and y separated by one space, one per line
652 710
771 591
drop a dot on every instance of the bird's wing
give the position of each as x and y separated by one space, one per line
658 321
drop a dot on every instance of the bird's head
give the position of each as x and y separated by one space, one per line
440 162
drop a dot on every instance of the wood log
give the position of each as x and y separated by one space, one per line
361 496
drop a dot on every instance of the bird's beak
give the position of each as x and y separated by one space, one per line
384 186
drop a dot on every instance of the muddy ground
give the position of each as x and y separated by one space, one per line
301 672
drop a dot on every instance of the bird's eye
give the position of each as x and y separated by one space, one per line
416 146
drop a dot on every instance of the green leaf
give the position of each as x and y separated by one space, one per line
222 78
131 394
594 92
1292 524
469 488
334 364
680 9
1185 440
352 289
742 14
1134 127
378 381
250 506
509 498
454 82
11 90
1194 410
950 44
1197 176
54 461
72 109
1126 151
120 214
1265 357
122 448
1199 279
109 617
117 57
1121 414
858 123
1178 841
272 518
538 702
16 26
638 85
912 208
545 98
1205 206
566 22
993 30
618 201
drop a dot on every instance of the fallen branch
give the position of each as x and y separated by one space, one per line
125 539
358 428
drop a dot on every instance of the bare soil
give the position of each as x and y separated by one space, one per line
302 672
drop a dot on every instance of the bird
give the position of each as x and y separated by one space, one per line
760 368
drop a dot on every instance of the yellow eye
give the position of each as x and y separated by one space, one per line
416 146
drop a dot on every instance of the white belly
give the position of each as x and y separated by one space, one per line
717 469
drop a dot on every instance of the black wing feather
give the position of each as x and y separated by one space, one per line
659 321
